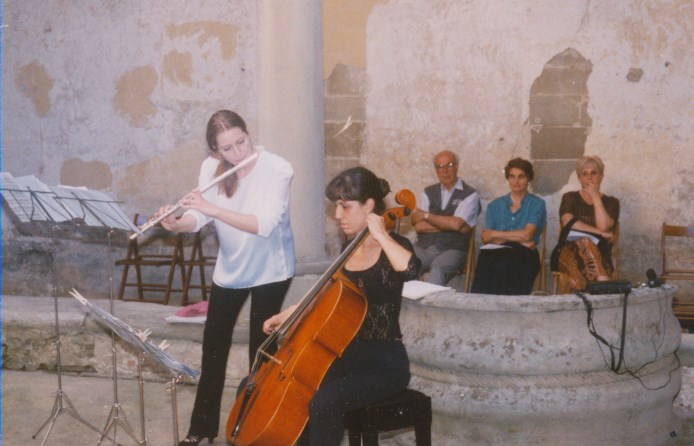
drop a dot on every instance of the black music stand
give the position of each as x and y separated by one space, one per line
35 205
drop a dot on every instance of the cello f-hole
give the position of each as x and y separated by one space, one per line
291 353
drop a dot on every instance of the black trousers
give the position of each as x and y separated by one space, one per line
506 271
366 372
224 307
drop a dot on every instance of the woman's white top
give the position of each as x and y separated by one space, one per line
246 260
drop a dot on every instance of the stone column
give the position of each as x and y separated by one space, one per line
290 117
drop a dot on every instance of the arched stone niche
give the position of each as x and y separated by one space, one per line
525 370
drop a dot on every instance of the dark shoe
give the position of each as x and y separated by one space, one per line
194 440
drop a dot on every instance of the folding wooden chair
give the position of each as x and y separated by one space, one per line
197 260
541 280
684 236
469 270
138 261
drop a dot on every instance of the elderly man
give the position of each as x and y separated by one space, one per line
444 219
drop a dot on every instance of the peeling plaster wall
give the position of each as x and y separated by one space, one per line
458 75
128 84
115 96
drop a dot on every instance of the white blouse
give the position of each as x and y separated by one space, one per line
245 260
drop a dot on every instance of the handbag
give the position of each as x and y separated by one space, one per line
554 258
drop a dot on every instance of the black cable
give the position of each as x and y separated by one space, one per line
591 329
616 367
624 332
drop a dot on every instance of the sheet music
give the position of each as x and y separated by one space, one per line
19 202
32 200
94 207
22 195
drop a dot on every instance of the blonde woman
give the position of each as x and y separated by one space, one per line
590 211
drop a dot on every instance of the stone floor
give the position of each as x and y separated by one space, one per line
28 399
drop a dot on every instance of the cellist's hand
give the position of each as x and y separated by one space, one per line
377 227
270 325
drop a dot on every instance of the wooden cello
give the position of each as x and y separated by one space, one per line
272 409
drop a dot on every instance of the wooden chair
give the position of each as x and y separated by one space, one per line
408 408
684 311
469 270
137 260
541 280
615 256
197 260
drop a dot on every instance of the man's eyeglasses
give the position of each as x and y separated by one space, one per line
450 165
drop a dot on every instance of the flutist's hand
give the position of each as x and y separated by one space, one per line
170 221
195 200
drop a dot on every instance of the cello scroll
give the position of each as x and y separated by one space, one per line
392 216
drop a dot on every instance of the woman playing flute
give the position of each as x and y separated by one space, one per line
250 210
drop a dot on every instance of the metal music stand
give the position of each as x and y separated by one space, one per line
35 205
139 340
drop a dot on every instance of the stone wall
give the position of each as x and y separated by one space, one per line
545 81
345 127
115 98
558 119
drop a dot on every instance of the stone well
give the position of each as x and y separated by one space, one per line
526 370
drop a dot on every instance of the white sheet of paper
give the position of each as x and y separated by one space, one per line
416 289
494 246
575 235
185 320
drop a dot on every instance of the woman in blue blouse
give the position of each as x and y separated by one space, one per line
509 262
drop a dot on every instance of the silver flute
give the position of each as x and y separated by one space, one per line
153 222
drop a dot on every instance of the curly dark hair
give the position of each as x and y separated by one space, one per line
522 164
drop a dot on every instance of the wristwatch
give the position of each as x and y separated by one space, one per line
426 216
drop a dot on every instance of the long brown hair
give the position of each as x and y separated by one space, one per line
219 122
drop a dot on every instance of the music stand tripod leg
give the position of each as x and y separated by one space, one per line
59 405
62 404
174 405
116 416
141 385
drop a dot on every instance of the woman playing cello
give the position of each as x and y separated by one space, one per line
375 364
